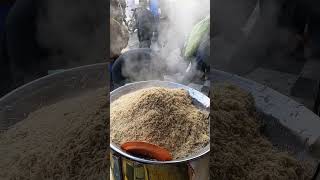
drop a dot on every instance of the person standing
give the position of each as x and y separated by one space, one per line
145 26
154 8
130 8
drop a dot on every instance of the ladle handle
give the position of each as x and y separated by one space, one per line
147 150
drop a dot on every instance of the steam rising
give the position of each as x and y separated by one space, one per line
75 33
182 15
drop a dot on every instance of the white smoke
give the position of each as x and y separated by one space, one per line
181 15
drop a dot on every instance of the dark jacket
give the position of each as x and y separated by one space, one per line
203 54
145 23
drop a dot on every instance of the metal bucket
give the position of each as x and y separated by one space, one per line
124 166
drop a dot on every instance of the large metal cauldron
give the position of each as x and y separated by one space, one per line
144 64
126 166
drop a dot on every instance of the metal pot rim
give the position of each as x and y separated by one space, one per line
203 99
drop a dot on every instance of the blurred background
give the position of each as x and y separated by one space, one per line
273 42
43 37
